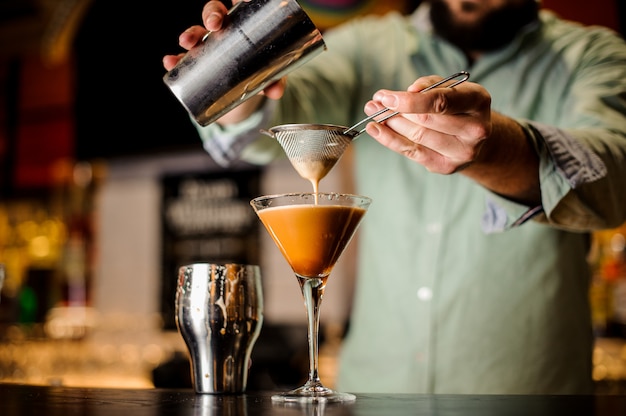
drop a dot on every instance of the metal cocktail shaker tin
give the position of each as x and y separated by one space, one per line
219 313
260 42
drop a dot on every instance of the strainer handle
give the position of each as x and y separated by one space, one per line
268 133
463 75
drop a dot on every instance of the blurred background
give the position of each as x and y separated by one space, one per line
105 191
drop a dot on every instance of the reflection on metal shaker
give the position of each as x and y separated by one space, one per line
260 42
219 313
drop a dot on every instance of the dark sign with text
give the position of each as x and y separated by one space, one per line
206 218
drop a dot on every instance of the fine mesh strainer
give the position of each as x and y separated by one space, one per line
313 149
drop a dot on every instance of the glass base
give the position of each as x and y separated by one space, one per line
313 394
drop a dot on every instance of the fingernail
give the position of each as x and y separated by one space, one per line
370 107
390 101
373 129
213 19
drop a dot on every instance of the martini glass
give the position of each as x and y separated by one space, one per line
311 230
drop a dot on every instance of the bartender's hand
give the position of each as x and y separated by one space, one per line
213 15
450 130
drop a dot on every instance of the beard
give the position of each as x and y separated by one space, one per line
489 32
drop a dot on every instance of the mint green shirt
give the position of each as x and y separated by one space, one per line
459 290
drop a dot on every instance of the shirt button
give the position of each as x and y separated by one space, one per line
433 228
424 293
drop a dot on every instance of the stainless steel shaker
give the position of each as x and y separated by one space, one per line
260 42
219 313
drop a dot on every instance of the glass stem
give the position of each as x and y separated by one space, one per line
312 291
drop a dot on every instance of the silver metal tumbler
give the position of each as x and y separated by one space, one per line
260 42
219 313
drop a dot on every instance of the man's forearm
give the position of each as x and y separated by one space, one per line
508 164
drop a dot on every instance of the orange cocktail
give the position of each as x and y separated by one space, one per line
311 237
312 230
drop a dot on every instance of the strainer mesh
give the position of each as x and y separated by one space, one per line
307 145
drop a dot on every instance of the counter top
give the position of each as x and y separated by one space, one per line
18 399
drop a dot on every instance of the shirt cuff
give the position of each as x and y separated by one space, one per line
225 144
564 163
501 213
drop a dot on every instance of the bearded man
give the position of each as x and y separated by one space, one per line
472 272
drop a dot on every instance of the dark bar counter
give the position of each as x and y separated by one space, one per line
17 399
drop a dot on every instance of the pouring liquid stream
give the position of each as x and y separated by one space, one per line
314 171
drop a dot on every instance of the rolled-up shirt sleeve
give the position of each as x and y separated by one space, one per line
241 141
564 166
